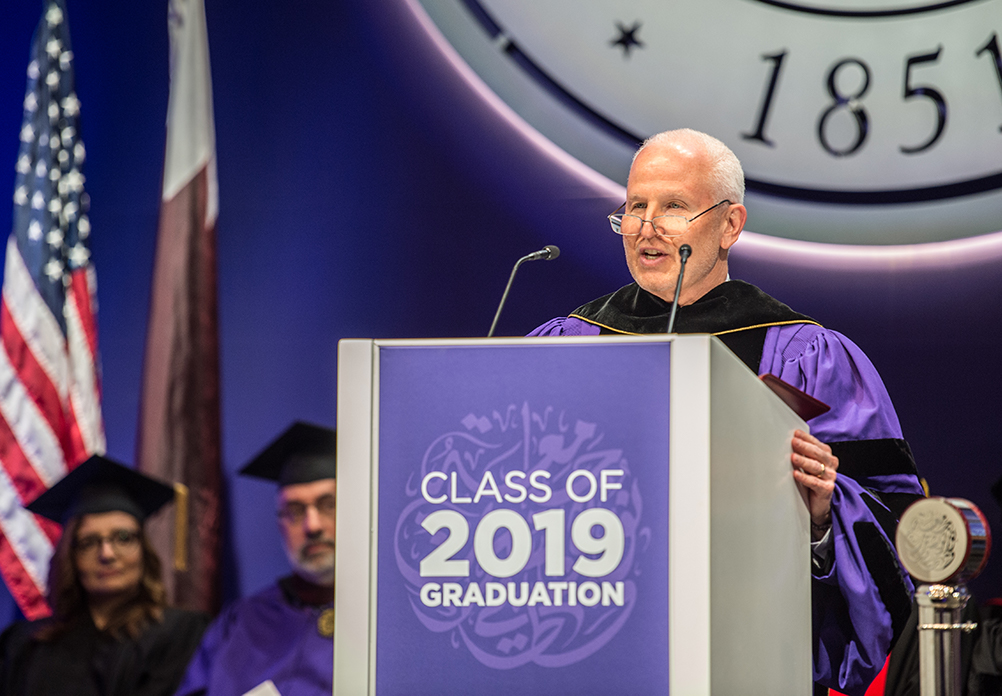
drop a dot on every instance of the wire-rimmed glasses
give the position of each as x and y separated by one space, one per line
294 512
629 225
122 541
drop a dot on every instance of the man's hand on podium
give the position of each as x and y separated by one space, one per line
815 467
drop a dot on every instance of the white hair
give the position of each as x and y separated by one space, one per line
726 176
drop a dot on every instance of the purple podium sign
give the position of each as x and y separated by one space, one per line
522 520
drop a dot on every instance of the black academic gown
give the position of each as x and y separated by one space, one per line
85 661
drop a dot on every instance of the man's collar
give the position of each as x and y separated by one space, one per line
731 306
302 592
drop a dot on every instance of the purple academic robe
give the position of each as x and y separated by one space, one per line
259 638
855 604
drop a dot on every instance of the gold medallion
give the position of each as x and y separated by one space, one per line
325 623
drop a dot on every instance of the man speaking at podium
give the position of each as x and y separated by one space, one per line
685 192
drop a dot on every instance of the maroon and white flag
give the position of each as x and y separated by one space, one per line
179 437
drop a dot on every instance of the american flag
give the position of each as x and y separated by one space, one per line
50 398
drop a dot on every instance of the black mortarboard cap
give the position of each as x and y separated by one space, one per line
302 454
102 485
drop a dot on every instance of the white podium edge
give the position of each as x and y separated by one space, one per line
353 587
689 517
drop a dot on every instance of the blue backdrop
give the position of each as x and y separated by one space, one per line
364 192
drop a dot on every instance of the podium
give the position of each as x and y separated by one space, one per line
588 515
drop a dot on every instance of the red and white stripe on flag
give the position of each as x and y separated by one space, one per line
50 397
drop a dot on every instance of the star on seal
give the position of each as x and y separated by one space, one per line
627 38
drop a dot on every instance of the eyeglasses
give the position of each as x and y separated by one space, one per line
294 512
629 225
121 540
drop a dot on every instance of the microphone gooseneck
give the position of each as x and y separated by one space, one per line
684 252
547 253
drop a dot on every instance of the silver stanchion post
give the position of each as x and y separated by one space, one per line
939 625
943 542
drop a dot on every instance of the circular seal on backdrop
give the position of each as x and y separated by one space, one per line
865 8
531 614
856 122
943 540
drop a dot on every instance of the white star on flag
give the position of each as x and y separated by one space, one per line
54 269
74 180
71 105
79 255
54 16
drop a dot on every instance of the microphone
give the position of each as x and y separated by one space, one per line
547 253
683 255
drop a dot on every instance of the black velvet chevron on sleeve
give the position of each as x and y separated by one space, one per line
882 561
887 575
885 517
861 460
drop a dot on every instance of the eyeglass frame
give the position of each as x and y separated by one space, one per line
321 505
128 540
688 221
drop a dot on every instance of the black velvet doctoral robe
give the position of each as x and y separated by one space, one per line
85 661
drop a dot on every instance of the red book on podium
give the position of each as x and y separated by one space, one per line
801 403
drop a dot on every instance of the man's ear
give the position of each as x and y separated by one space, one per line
735 222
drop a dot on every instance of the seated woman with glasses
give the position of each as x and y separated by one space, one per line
111 632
